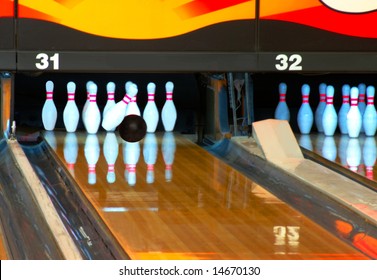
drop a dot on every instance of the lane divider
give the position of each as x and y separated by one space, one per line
62 237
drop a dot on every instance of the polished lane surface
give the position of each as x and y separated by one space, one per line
194 207
356 154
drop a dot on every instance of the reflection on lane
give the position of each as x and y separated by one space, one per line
356 154
170 199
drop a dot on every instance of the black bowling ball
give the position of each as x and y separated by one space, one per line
133 128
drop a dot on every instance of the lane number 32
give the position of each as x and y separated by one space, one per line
288 62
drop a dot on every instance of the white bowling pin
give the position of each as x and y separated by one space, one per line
169 112
150 114
353 153
329 116
370 114
110 88
369 156
282 110
49 112
150 150
354 118
131 156
115 115
132 108
329 148
305 113
321 107
83 117
127 88
92 114
110 151
71 113
92 153
362 94
168 148
71 149
343 111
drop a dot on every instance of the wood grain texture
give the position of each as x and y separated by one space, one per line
207 211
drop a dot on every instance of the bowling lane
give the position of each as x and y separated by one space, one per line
188 204
354 154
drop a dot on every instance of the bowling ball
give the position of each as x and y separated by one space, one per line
133 128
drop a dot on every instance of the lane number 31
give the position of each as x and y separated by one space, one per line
44 61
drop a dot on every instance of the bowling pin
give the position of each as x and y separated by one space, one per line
127 88
282 110
71 151
321 107
150 114
354 118
110 88
361 104
131 154
83 118
168 148
370 114
353 152
305 113
92 114
150 150
369 156
115 115
49 112
329 148
343 111
362 93
92 153
169 113
132 108
329 116
71 113
110 151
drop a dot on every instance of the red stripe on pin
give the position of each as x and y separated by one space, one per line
329 100
126 99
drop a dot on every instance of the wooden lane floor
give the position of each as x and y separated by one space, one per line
199 208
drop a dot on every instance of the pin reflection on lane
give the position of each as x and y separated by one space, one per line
369 156
131 154
150 151
92 153
71 149
207 210
110 151
357 154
